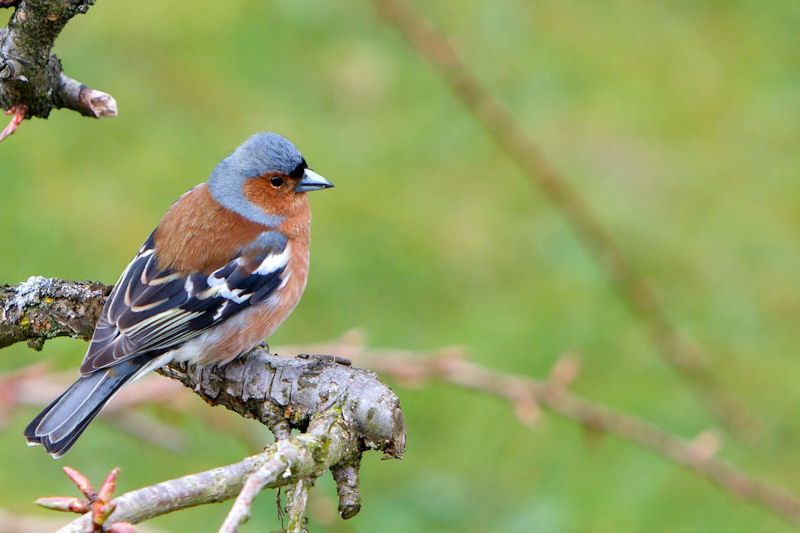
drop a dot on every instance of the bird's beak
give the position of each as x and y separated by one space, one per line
312 182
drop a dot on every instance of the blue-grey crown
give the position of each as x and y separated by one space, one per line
258 155
266 152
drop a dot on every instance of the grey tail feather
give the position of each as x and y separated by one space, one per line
60 424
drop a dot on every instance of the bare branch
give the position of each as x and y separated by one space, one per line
267 387
684 356
284 393
85 100
344 410
296 503
31 79
698 455
330 439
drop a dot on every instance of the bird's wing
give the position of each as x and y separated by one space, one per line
154 310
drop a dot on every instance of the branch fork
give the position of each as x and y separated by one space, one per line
340 411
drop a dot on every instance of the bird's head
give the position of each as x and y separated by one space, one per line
265 179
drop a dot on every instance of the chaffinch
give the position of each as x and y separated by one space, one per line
224 268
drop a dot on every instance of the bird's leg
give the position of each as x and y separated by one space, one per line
18 113
264 346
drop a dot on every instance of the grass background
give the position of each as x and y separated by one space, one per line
678 122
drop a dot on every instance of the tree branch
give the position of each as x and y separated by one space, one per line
327 442
45 308
342 410
32 81
684 356
317 392
526 395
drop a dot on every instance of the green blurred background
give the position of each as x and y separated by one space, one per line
679 122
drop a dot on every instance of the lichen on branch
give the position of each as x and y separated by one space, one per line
44 308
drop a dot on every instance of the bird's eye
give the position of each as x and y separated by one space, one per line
276 182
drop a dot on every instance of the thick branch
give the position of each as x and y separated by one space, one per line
344 410
44 308
32 78
275 390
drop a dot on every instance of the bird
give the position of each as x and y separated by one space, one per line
226 265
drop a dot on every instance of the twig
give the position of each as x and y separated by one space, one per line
698 456
96 505
32 81
17 114
211 486
684 356
240 512
85 100
296 503
331 438
346 477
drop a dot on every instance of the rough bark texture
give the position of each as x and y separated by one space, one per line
43 308
30 75
277 390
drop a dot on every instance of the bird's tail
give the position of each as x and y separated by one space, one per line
62 422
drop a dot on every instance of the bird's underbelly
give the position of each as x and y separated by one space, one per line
230 339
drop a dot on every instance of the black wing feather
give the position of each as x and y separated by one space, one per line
154 310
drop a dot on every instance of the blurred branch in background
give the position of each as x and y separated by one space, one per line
15 523
32 82
36 386
527 395
340 410
680 353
